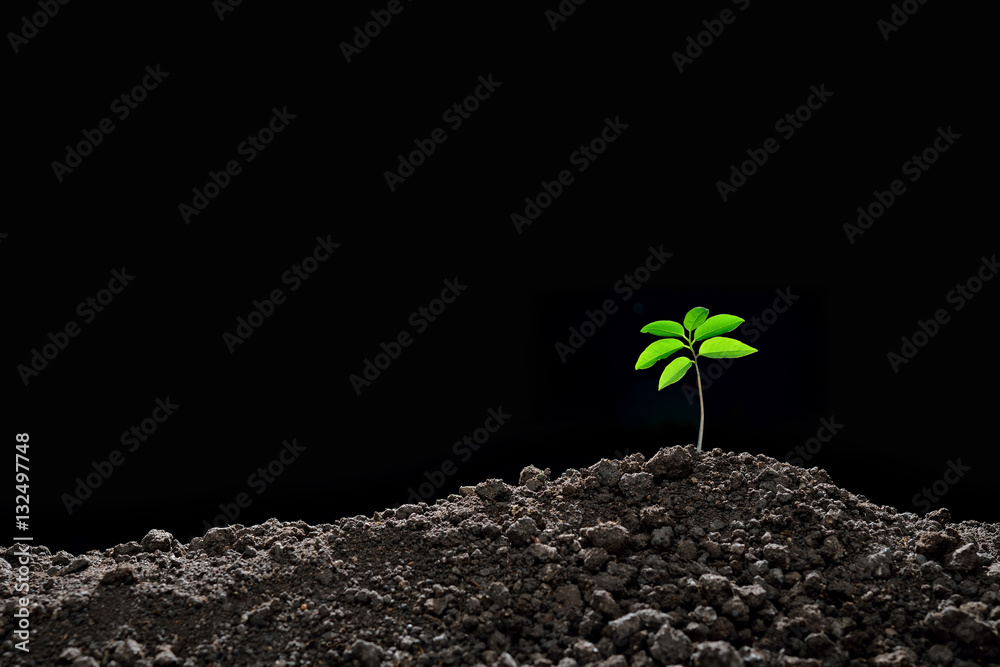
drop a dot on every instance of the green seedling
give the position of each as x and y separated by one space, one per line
699 327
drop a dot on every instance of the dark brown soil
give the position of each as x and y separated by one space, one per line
704 559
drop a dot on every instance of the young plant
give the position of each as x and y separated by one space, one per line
699 327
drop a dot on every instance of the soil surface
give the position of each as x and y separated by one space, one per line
710 559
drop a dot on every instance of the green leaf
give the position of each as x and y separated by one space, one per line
674 371
717 324
695 317
724 348
660 349
665 328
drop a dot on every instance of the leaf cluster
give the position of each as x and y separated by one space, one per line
697 327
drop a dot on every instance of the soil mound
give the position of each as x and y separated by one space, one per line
710 559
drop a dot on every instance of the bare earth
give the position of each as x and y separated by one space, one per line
710 559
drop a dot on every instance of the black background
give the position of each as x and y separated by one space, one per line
495 346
